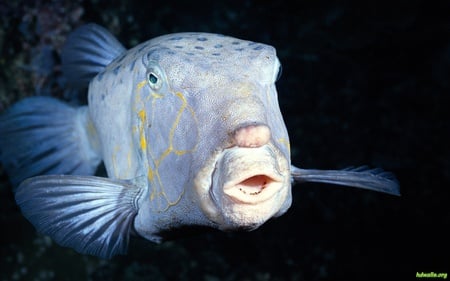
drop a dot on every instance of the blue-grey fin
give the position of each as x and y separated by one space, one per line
86 52
42 135
92 215
361 177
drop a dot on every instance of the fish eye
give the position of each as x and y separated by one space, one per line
280 70
153 80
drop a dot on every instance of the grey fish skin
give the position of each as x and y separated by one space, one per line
190 132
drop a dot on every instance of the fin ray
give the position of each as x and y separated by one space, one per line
361 177
87 51
44 135
90 214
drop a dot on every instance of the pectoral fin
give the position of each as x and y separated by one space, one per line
361 177
92 215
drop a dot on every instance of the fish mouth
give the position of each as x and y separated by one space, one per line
253 188
246 175
245 187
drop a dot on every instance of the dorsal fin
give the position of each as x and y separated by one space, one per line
87 51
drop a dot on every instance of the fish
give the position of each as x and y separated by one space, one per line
187 127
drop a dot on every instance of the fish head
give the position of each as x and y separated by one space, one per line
215 131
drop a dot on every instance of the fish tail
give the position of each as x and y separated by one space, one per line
42 135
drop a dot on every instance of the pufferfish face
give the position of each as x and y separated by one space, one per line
216 119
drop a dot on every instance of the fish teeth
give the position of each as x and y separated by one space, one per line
249 176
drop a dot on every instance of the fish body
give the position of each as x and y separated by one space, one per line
200 111
189 130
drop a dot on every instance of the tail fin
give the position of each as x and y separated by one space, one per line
361 177
42 135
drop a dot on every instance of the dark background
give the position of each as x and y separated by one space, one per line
364 82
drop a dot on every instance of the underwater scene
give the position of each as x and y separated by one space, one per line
363 92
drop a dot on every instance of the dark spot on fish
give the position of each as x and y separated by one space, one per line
259 47
252 43
202 39
239 49
120 58
218 46
154 54
116 69
176 38
215 54
189 54
179 47
103 96
100 76
142 48
144 45
199 48
171 52
235 42
132 64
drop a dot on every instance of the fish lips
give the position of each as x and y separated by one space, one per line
248 187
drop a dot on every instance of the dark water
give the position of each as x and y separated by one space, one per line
363 83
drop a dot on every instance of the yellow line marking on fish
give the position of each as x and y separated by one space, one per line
143 118
158 189
141 84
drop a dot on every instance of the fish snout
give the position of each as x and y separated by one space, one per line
251 135
247 186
